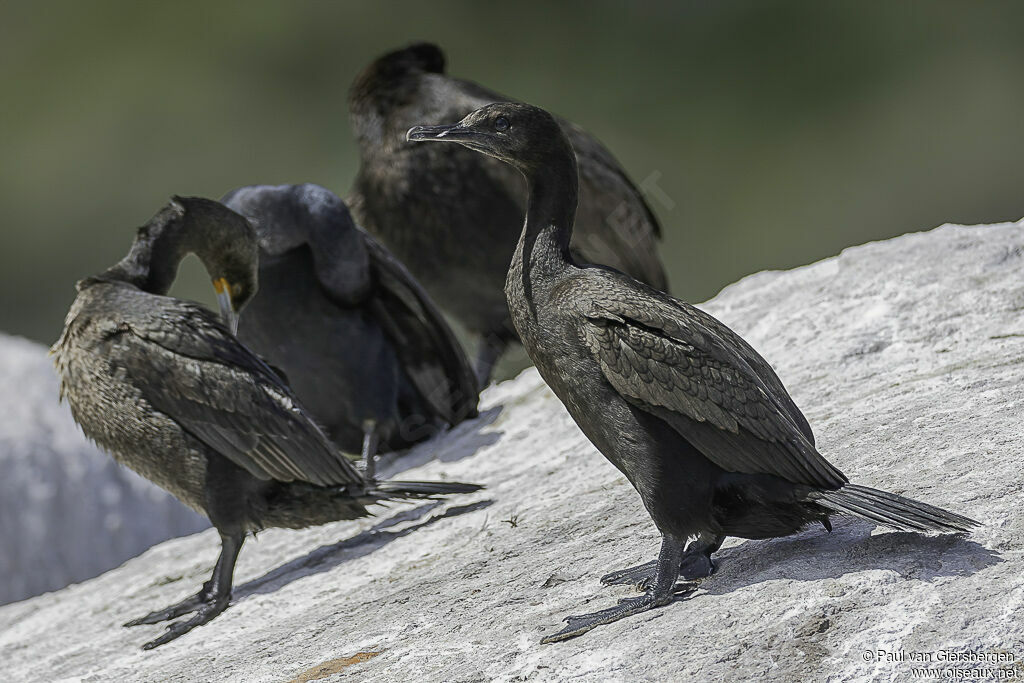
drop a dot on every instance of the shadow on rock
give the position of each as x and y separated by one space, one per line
327 557
815 555
456 444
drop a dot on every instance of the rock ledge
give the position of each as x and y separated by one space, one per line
907 357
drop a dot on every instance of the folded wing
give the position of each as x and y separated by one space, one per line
676 362
193 370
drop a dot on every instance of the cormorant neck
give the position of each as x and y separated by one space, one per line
543 249
139 268
551 209
158 249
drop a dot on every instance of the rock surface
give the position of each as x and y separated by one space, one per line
68 512
907 357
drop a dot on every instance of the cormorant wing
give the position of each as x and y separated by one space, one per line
189 367
759 365
673 361
426 345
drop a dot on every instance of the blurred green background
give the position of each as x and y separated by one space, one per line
781 131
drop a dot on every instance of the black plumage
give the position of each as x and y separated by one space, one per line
164 386
453 217
691 414
362 345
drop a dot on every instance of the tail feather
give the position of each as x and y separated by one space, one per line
891 510
422 489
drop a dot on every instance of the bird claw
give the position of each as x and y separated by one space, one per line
204 614
682 589
636 576
205 605
577 625
189 604
693 566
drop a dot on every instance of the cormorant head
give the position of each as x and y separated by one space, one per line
272 214
226 244
386 74
288 217
522 135
423 57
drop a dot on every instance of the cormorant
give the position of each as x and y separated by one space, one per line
360 342
690 413
164 386
453 217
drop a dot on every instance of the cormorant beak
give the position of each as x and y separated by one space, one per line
227 309
455 133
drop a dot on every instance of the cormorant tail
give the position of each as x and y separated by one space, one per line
422 489
887 509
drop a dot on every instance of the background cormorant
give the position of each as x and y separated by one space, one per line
690 414
165 387
453 217
360 342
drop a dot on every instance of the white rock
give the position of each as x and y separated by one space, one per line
67 511
907 357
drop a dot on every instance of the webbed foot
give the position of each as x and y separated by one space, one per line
627 607
663 590
210 601
189 604
205 604
205 613
638 576
695 564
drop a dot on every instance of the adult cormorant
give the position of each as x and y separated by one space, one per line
453 217
164 386
690 413
360 342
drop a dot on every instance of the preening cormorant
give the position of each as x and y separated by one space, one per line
453 217
164 386
691 414
360 342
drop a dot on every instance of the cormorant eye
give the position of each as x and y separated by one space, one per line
501 124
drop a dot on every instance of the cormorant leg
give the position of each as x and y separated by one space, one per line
369 455
696 563
487 355
661 593
207 603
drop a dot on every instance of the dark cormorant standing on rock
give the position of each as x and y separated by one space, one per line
690 413
453 217
360 342
163 385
